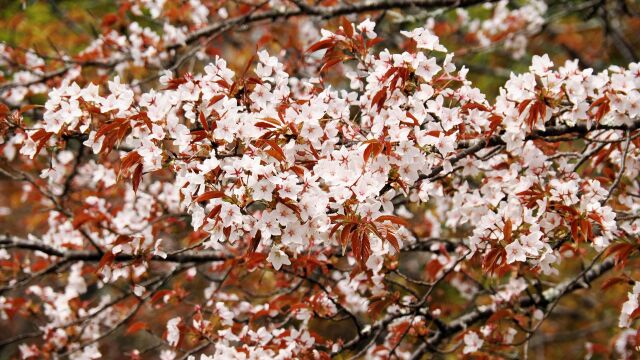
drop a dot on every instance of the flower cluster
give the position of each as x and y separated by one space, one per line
293 199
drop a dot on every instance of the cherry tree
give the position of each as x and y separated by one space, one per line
323 179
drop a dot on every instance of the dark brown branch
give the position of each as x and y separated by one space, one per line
325 12
77 255
301 10
473 146
549 296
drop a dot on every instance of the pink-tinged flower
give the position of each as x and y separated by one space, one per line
541 64
173 331
472 342
515 252
225 314
28 351
367 27
263 190
277 257
230 214
428 68
629 307
531 242
226 129
425 39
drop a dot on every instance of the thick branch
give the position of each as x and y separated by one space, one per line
76 255
326 12
302 10
473 146
549 296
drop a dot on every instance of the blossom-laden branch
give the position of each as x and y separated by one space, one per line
183 38
180 257
279 211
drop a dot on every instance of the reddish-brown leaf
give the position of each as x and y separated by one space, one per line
373 42
264 125
635 314
367 152
433 268
129 160
106 259
394 219
331 63
275 151
621 251
255 241
356 244
347 27
334 229
43 142
215 211
379 98
39 265
493 259
216 98
137 176
80 219
523 105
345 234
122 239
507 231
26 108
322 44
391 238
213 194
160 294
203 121
499 315
614 281
136 326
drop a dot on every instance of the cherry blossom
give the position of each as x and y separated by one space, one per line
337 177
278 258
472 342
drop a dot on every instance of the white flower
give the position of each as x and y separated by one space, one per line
167 355
29 148
277 258
139 290
28 351
209 164
531 242
367 27
263 190
225 314
541 64
173 332
425 39
48 173
197 216
515 252
629 307
89 353
472 342
375 263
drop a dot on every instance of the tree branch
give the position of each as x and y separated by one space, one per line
325 12
7 242
549 296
